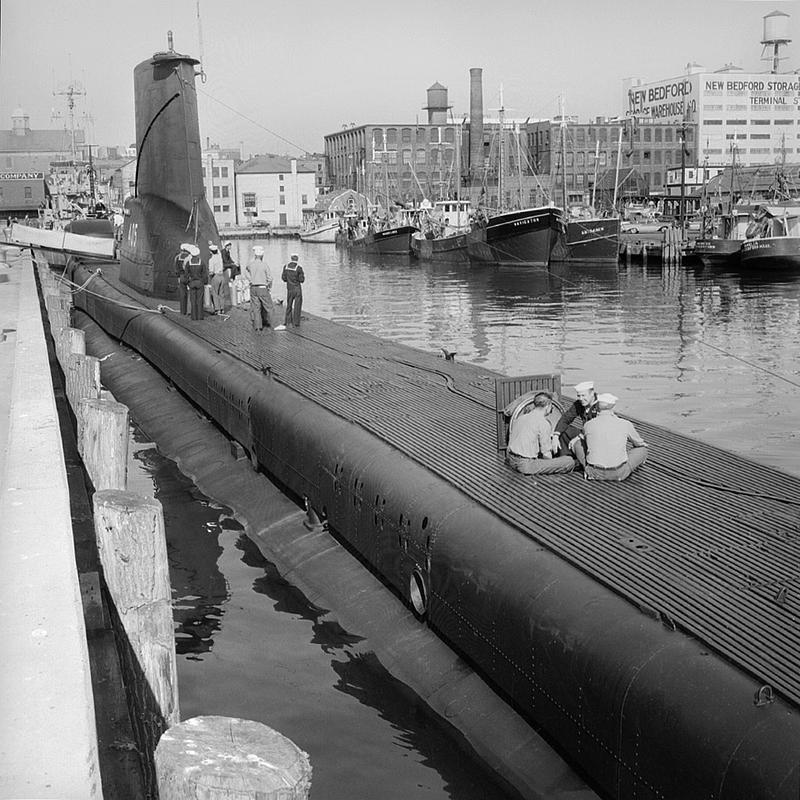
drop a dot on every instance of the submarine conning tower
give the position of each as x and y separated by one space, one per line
169 204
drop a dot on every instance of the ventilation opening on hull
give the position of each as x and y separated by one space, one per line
418 593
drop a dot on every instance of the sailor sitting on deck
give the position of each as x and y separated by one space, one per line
602 450
571 423
530 441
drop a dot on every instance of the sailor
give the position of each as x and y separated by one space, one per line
260 277
197 274
294 277
603 451
575 416
183 278
530 446
215 270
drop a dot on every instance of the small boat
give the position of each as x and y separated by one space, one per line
88 238
325 231
772 238
388 237
444 233
526 237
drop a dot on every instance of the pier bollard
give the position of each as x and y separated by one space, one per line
69 341
221 757
133 552
103 442
82 379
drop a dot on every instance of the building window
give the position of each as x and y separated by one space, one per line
226 208
28 193
249 199
434 136
216 191
755 122
280 177
646 155
391 138
377 139
648 135
736 122
434 156
223 172
282 188
656 179
603 158
657 156
449 135
658 134
282 220
216 209
690 134
204 172
579 181
405 135
215 172
304 199
570 159
406 156
421 157
759 135
282 200
580 160
224 191
719 121
667 134
784 122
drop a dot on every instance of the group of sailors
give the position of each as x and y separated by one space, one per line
588 434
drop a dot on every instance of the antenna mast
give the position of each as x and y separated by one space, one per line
200 42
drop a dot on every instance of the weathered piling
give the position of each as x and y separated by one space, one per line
221 757
82 378
103 442
133 553
68 341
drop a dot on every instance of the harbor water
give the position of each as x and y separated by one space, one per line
712 355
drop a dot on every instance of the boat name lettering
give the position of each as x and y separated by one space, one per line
21 176
525 221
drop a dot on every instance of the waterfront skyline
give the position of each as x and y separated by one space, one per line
281 77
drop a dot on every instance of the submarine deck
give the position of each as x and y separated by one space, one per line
706 540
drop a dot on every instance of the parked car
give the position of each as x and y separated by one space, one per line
645 226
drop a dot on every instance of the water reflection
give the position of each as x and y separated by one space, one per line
702 352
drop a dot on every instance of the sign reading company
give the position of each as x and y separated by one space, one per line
673 100
21 176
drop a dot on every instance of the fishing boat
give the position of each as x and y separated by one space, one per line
388 241
721 239
588 237
325 231
445 228
772 239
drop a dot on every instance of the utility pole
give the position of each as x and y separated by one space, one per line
683 180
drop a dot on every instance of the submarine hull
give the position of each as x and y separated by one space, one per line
641 708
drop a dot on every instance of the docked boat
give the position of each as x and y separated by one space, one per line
389 241
325 231
588 238
526 237
88 238
772 239
721 239
444 232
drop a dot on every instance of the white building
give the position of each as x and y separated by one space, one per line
754 112
220 181
274 191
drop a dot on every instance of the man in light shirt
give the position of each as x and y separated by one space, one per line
261 305
603 450
530 444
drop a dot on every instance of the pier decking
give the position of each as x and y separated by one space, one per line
700 538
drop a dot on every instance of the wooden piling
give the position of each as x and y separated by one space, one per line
103 442
82 378
133 552
220 758
69 341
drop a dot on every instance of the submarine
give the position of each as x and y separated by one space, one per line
648 629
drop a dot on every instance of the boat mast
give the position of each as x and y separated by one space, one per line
616 171
594 183
500 154
563 152
519 163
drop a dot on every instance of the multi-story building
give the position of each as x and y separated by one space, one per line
23 149
402 163
219 177
275 191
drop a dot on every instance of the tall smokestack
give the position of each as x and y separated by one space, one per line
475 122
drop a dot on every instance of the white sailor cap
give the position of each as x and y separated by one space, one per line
185 247
192 250
258 250
607 399
585 386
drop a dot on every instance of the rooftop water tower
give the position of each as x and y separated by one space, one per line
776 34
437 104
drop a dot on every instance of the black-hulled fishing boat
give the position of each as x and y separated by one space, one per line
588 238
721 239
390 241
444 231
773 238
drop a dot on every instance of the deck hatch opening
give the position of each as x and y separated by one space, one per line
417 593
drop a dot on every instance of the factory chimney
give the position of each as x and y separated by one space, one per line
475 123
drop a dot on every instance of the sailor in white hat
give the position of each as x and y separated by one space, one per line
181 260
571 422
603 448
216 278
261 306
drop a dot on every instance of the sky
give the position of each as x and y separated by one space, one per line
279 76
